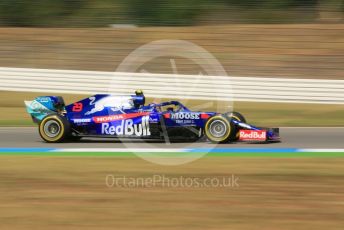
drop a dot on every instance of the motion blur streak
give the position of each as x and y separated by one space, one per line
266 44
176 86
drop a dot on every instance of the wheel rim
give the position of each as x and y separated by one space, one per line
218 128
52 128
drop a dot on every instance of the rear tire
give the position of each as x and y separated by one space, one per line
218 129
54 128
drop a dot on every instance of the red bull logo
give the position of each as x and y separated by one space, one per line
252 135
128 128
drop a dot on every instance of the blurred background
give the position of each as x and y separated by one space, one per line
101 13
251 38
290 38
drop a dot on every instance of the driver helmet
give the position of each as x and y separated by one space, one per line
139 92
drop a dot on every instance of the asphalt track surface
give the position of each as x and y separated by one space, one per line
28 137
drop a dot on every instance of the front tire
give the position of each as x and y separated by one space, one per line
238 117
218 129
54 128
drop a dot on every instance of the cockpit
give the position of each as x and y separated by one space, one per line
170 106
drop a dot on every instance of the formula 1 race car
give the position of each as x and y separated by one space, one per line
105 115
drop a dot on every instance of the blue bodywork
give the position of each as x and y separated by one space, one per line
127 116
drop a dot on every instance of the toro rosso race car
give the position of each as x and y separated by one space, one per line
105 115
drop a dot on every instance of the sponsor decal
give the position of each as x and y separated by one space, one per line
186 116
153 119
82 120
184 122
37 107
252 135
118 117
114 103
77 107
43 99
128 128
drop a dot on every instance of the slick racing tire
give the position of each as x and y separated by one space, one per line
54 128
239 117
218 129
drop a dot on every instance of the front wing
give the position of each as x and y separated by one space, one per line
251 133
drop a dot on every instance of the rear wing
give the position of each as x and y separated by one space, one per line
43 106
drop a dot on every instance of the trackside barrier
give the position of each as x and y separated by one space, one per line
252 89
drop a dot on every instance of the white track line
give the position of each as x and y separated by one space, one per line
322 150
151 150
